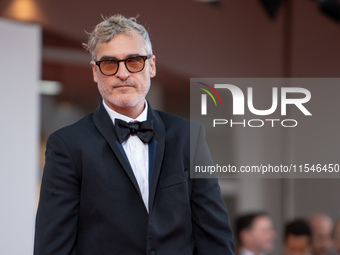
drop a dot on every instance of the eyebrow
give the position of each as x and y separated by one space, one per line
114 58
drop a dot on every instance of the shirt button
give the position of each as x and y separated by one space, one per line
143 180
134 145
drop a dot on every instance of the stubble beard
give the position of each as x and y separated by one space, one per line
122 100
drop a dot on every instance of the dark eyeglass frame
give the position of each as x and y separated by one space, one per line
121 60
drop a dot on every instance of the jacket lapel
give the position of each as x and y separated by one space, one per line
105 126
156 148
156 153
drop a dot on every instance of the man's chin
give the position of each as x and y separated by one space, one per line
127 103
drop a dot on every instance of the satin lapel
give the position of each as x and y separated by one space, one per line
152 155
104 124
156 152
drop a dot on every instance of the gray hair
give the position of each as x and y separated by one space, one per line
112 26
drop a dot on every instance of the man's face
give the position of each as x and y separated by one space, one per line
124 89
261 235
297 245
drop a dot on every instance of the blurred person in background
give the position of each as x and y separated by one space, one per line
255 234
321 226
336 238
297 238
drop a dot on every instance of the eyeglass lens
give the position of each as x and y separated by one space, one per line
133 64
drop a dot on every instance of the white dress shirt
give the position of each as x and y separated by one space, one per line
137 153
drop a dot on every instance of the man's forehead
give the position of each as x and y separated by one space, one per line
297 237
262 220
106 57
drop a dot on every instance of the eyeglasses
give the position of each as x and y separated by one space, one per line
110 66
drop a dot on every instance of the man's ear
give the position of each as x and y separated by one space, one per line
94 70
152 66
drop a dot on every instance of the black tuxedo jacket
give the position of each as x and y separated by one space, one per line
90 202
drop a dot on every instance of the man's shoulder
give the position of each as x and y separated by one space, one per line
80 127
169 118
178 125
173 121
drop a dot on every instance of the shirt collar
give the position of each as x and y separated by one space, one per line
115 115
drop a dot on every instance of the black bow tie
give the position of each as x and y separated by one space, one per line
144 130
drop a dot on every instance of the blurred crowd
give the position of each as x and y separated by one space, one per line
315 235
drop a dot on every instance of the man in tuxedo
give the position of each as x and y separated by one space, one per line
118 181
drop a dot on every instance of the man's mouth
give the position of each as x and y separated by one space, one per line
123 86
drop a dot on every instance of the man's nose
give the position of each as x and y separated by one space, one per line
122 73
